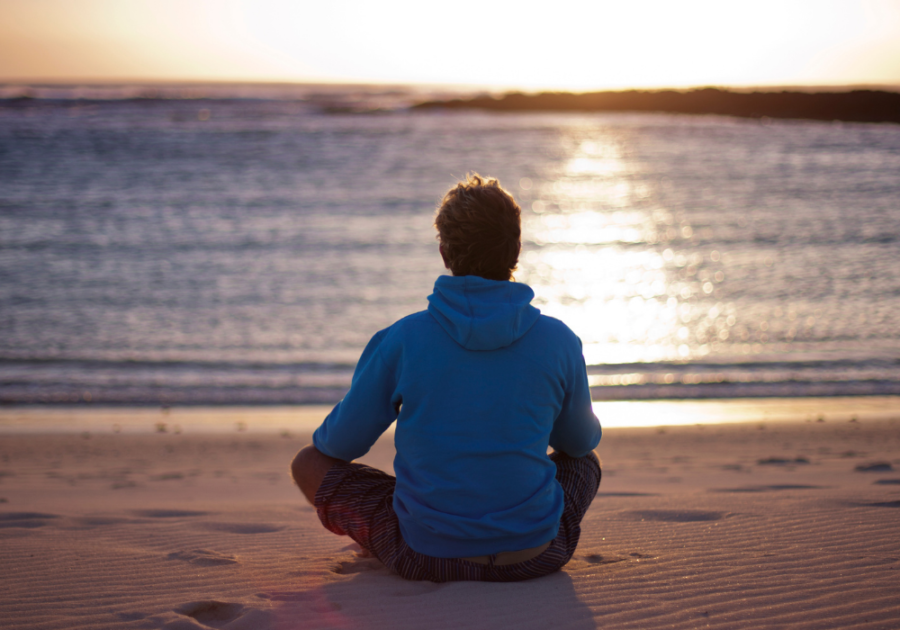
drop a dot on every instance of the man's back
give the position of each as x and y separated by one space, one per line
473 428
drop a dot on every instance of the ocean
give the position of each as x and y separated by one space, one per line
239 245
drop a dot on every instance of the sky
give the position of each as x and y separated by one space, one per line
558 44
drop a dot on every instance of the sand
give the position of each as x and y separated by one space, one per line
790 524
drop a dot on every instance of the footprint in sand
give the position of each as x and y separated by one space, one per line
677 516
586 562
781 461
26 520
242 528
314 601
211 613
775 488
874 467
95 521
92 522
203 557
167 513
169 476
596 558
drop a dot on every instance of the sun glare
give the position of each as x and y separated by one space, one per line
628 304
572 45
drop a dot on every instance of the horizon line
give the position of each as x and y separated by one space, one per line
162 82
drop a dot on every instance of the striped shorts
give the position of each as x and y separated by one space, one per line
358 501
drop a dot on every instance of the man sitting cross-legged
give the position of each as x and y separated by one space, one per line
480 384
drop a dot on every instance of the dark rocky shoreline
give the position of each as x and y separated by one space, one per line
872 106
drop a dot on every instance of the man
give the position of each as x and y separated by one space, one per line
480 385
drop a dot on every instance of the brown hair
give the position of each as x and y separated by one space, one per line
479 228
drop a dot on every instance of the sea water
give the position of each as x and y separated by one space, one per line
241 245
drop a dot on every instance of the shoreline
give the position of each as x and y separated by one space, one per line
291 419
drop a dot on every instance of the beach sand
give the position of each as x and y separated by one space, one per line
790 524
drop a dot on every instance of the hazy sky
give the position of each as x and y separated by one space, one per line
566 44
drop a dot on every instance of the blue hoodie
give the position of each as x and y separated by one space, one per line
479 384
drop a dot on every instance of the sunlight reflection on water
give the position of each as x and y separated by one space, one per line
625 252
624 301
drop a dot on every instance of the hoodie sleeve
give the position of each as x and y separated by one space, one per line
367 410
576 431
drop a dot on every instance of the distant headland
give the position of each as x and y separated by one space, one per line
874 106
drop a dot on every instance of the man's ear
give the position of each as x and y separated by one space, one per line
444 256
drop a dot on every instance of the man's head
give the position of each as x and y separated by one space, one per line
479 228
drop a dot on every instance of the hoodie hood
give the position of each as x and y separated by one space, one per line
481 314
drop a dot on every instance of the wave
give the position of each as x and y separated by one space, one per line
742 379
748 366
51 381
784 389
